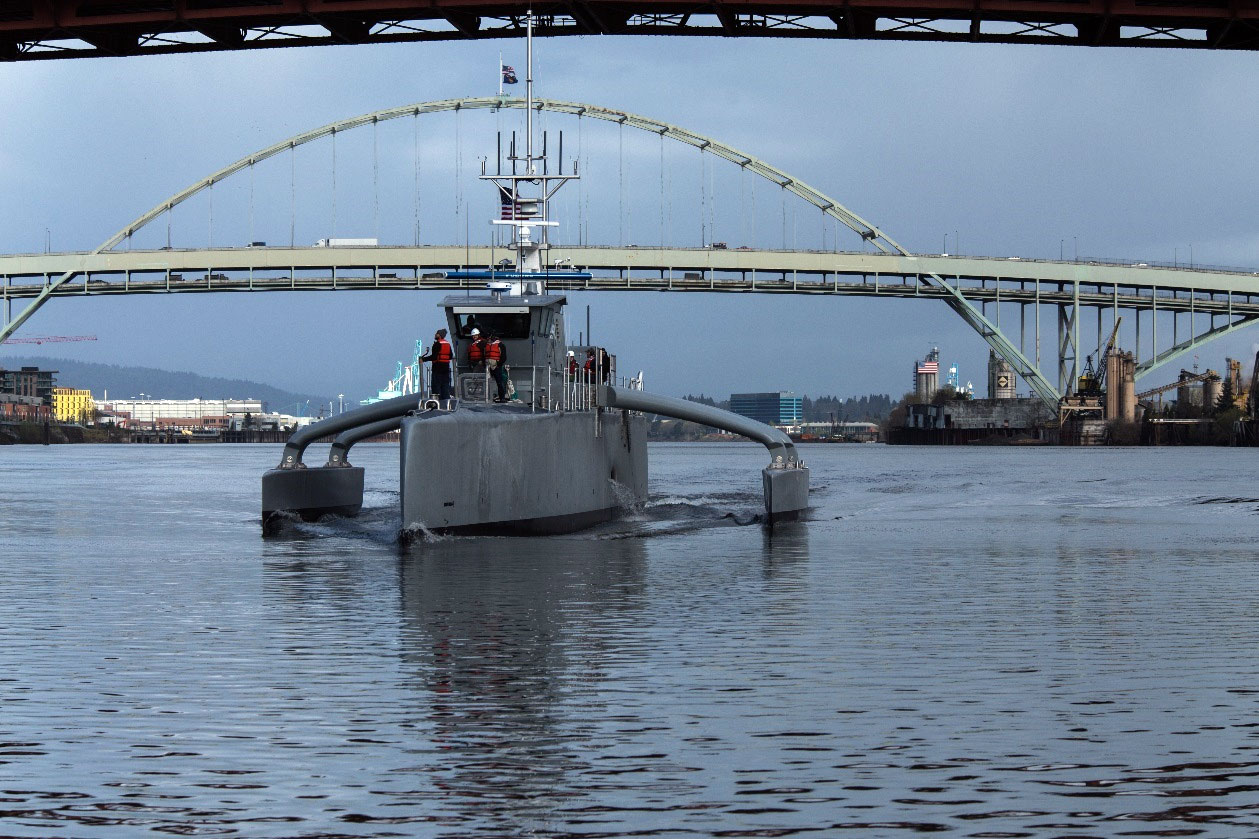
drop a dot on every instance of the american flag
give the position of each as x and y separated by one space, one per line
517 210
929 367
509 74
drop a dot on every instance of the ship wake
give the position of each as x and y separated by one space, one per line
660 515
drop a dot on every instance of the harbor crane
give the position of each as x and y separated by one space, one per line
1092 382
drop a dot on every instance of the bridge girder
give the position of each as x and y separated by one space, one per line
50 29
688 269
1192 343
1213 294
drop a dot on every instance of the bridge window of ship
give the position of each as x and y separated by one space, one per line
510 326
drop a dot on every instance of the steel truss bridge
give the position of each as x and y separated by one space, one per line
50 29
1200 304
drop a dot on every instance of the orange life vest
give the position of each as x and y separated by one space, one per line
476 352
442 353
494 350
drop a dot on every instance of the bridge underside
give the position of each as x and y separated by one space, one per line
1191 307
49 29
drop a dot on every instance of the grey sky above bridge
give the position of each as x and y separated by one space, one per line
1012 150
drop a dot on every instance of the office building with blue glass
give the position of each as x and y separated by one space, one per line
782 408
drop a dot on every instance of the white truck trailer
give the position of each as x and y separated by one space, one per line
347 243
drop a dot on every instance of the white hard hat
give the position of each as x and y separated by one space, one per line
570 352
476 332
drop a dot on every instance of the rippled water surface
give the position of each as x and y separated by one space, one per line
976 641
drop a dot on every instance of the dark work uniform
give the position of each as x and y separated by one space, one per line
440 355
496 351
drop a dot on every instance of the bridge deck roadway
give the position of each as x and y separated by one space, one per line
641 269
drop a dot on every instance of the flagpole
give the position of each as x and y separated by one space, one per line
529 96
500 72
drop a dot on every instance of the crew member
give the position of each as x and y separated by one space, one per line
476 350
496 363
572 364
440 355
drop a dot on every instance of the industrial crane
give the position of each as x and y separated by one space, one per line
49 339
1188 380
1091 382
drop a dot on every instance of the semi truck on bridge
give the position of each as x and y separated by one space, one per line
347 243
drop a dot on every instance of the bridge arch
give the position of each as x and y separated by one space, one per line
778 177
867 231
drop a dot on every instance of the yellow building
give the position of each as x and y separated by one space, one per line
72 405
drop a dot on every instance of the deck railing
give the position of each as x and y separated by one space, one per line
548 389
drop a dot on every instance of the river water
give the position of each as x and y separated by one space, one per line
986 642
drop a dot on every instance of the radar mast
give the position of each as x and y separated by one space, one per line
524 196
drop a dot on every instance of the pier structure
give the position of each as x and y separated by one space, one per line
1050 307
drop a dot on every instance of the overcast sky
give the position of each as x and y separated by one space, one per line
1011 149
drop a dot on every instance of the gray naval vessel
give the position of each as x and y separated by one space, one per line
567 451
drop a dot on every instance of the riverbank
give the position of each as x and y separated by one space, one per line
32 433
37 433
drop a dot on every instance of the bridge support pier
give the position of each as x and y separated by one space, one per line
1068 351
1137 352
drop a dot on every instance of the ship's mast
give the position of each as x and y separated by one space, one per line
525 196
529 92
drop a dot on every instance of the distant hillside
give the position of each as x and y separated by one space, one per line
122 382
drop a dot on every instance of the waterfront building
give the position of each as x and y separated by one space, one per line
969 420
14 408
72 405
855 430
780 408
146 412
268 422
120 419
29 381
